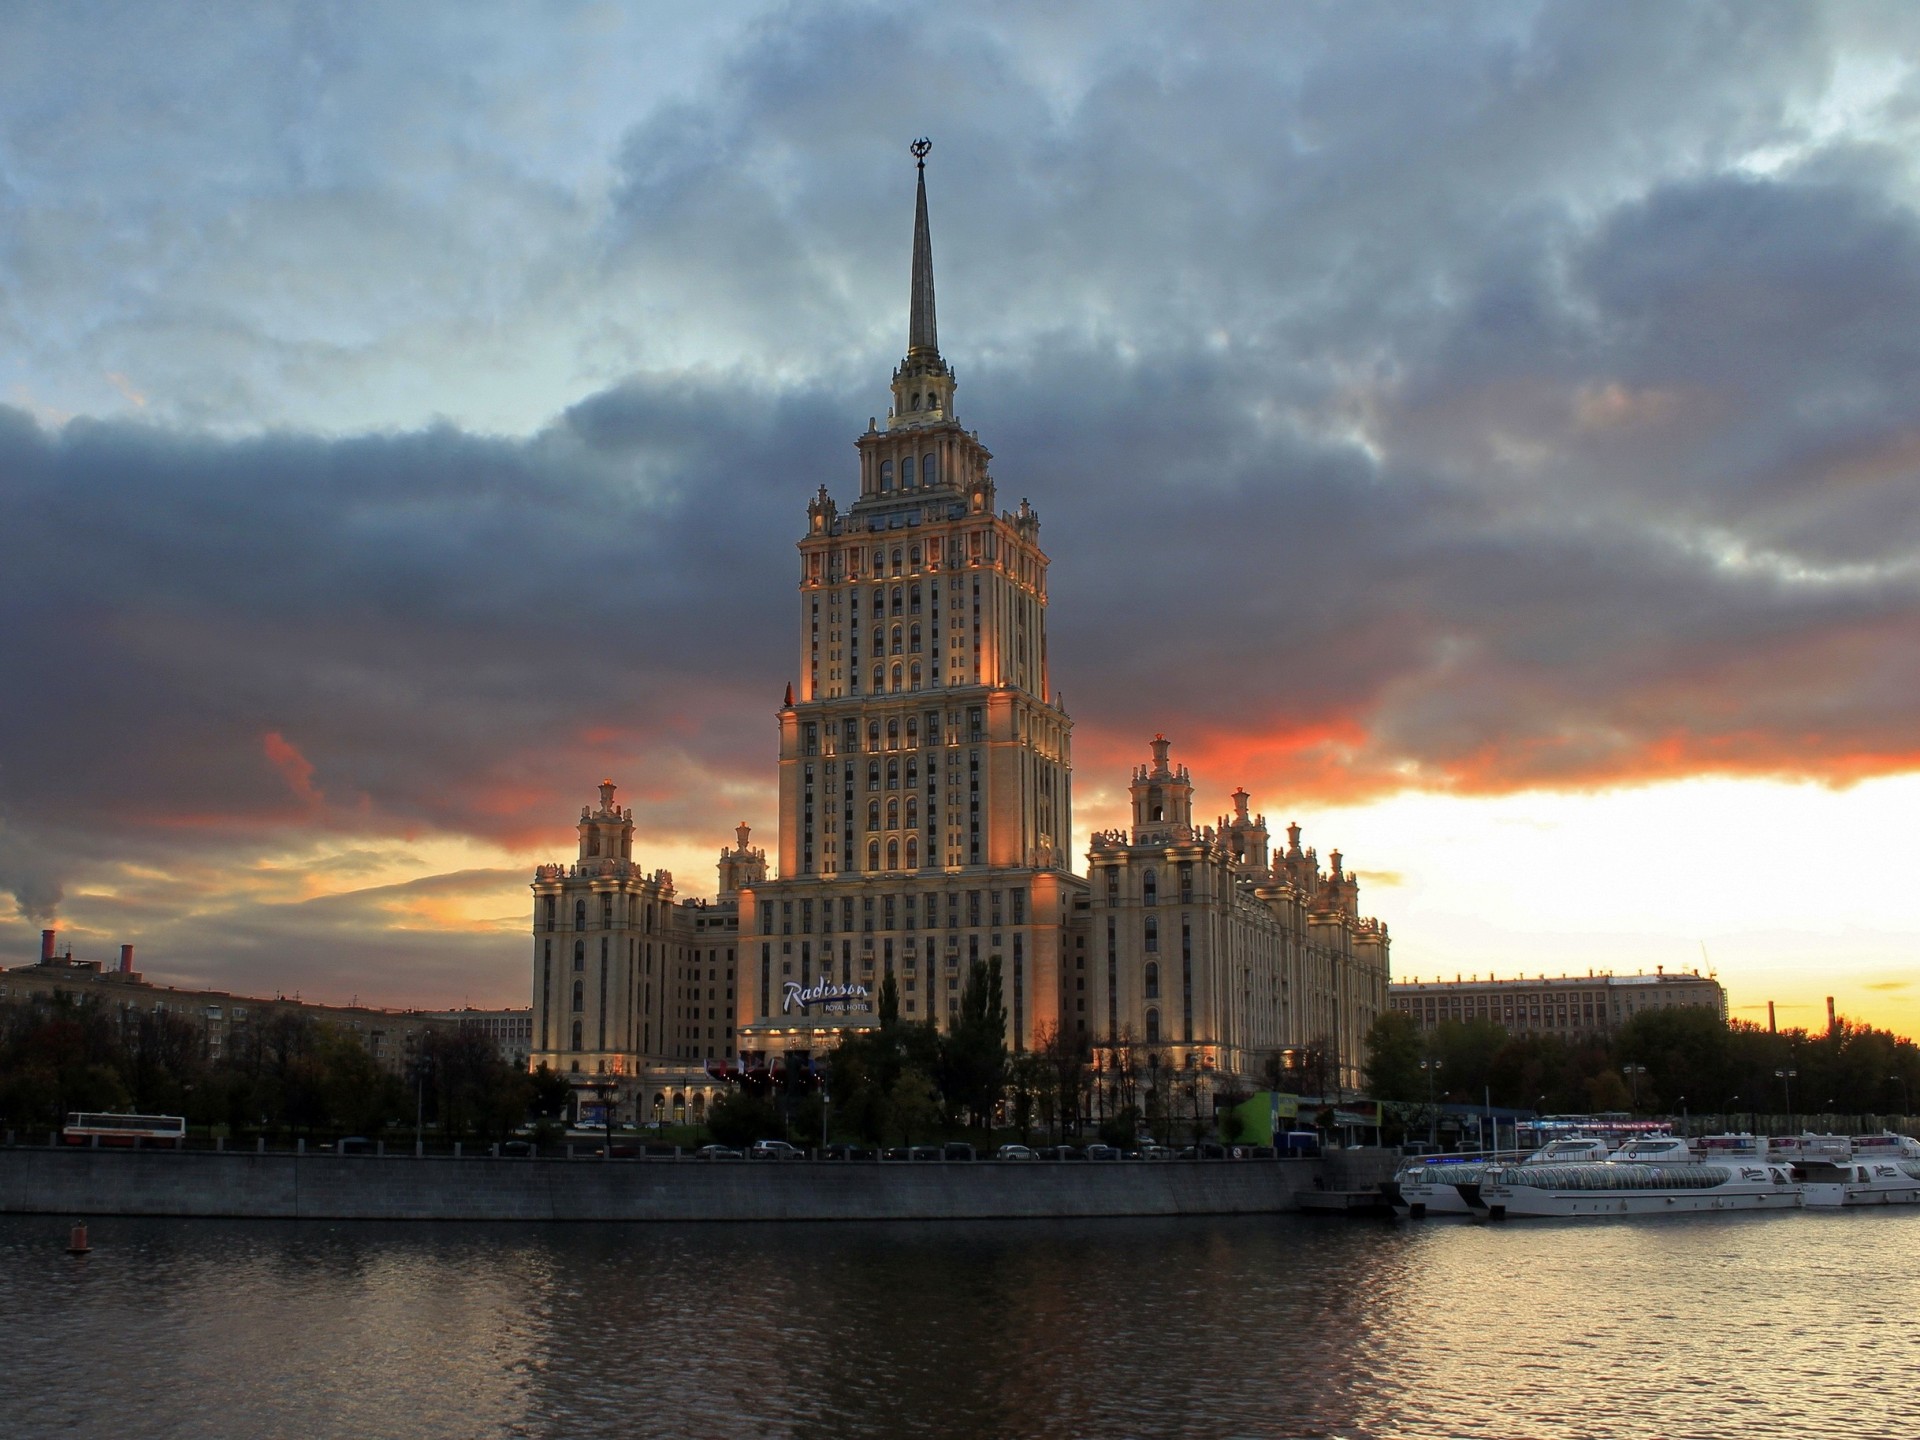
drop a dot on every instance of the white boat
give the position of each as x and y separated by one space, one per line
1655 1150
1433 1185
1734 1173
1884 1146
1859 1180
1810 1147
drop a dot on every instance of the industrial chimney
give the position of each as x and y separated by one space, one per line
1772 1029
126 959
1832 1020
46 946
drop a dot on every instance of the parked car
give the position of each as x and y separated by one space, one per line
926 1152
717 1152
957 1150
1013 1152
1102 1152
775 1150
355 1145
517 1149
848 1152
1155 1152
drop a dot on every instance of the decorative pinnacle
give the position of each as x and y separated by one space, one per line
920 148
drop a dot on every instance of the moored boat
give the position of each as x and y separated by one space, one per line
1730 1180
1438 1185
1859 1180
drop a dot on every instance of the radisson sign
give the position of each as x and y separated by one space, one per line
833 999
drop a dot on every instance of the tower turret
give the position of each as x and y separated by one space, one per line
1162 796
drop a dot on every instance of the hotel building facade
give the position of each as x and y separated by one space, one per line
926 804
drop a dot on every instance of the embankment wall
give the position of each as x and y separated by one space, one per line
363 1187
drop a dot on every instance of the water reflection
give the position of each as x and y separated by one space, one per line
1202 1328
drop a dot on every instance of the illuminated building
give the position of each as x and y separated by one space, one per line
926 811
1566 1005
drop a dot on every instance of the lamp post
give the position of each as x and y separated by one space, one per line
1633 1074
1906 1095
1786 1078
1686 1119
1432 1067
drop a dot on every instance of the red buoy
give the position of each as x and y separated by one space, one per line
77 1241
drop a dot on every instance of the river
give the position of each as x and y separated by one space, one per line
1764 1326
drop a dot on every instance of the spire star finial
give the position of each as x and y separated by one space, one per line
920 148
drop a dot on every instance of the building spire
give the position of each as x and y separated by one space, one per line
923 330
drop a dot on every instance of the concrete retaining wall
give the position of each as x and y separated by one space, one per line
364 1187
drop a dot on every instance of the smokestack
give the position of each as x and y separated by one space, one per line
126 959
1772 1029
46 946
1831 1020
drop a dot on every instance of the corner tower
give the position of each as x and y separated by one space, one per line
925 801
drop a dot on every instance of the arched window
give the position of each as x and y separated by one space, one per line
913 559
926 469
1152 976
893 734
880 678
913 773
914 676
913 592
576 1037
913 732
913 853
579 914
893 854
873 735
879 595
873 774
896 677
896 639
913 639
896 570
593 843
873 815
886 474
906 465
1150 887
1153 1027
1153 934
896 591
873 855
893 774
579 954
909 461
579 995
913 812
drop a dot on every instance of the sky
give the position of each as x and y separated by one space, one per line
1486 432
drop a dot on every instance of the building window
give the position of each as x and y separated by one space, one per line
886 474
576 1039
926 470
873 855
1150 887
1152 977
579 914
1153 935
1153 1027
579 998
913 857
579 954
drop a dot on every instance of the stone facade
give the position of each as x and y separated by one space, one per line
926 815
1569 1005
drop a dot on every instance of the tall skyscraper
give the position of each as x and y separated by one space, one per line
926 814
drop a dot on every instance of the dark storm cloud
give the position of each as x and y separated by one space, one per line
1446 398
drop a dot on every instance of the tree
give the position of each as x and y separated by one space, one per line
548 1093
913 1105
973 1053
1393 1057
889 1001
738 1118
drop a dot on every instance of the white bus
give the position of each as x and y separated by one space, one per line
167 1130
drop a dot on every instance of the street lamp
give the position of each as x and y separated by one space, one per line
1786 1078
1633 1074
1906 1095
1686 1118
1432 1067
